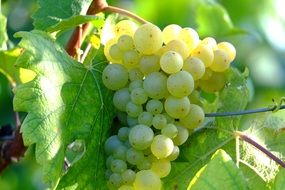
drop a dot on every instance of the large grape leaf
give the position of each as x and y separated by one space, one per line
66 101
51 12
279 182
3 34
220 173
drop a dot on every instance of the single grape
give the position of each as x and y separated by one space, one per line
148 39
134 110
145 164
109 161
128 176
132 121
180 84
118 166
161 146
126 187
181 137
168 118
170 33
161 167
108 173
125 43
174 154
115 52
123 133
135 74
125 27
209 41
177 107
121 98
229 49
154 106
111 144
195 98
159 121
120 152
147 180
155 85
149 64
139 96
131 59
195 67
145 118
170 130
135 84
134 156
115 180
107 50
194 118
140 137
215 83
205 53
190 37
171 62
115 76
221 61
178 46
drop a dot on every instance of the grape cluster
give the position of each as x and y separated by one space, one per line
155 75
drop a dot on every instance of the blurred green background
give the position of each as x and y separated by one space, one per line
255 27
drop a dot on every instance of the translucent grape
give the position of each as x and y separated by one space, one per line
149 64
115 52
195 97
125 43
180 84
221 61
161 167
147 179
135 84
141 136
115 76
209 41
182 136
145 164
171 62
128 176
148 39
115 180
215 83
178 46
122 116
161 146
194 118
139 96
170 32
195 67
134 110
120 152
123 133
131 59
154 106
155 85
111 144
208 73
177 107
135 74
107 50
108 173
121 98
118 166
126 187
229 49
159 121
125 27
174 154
205 53
168 118
170 130
145 118
109 161
134 156
190 37
132 121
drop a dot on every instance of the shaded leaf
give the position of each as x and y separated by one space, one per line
3 33
279 182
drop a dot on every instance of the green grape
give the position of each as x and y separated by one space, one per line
178 46
215 83
177 107
115 180
135 74
111 144
126 187
122 116
209 41
174 154
128 176
139 96
140 137
190 37
123 133
107 50
115 76
195 67
154 106
180 84
229 49
108 173
145 164
182 136
171 62
168 118
170 130
159 121
134 156
208 73
155 85
133 110
109 161
125 27
148 39
194 118
221 61
147 151
161 167
145 118
147 180
120 152
115 52
161 146
195 98
121 98
125 43
149 64
170 32
135 84
205 53
131 59
118 166
132 121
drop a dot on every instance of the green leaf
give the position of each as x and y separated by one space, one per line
51 12
279 182
220 173
65 102
3 33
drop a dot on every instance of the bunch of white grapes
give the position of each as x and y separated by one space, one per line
156 76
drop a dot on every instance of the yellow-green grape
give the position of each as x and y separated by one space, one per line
139 96
180 84
177 107
132 121
170 32
194 118
174 154
121 98
182 136
159 121
135 74
131 59
215 83
168 118
161 51
221 61
170 130
171 62
111 144
205 53
134 156
135 84
161 167
148 39
178 46
120 153
115 180
149 64
109 161
147 180
145 118
208 73
128 176
209 41
123 133
126 187
118 166
133 110
125 43
107 50
190 37
115 76
195 67
229 49
145 164
115 52
154 107
195 98
155 85
140 137
161 146
125 27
